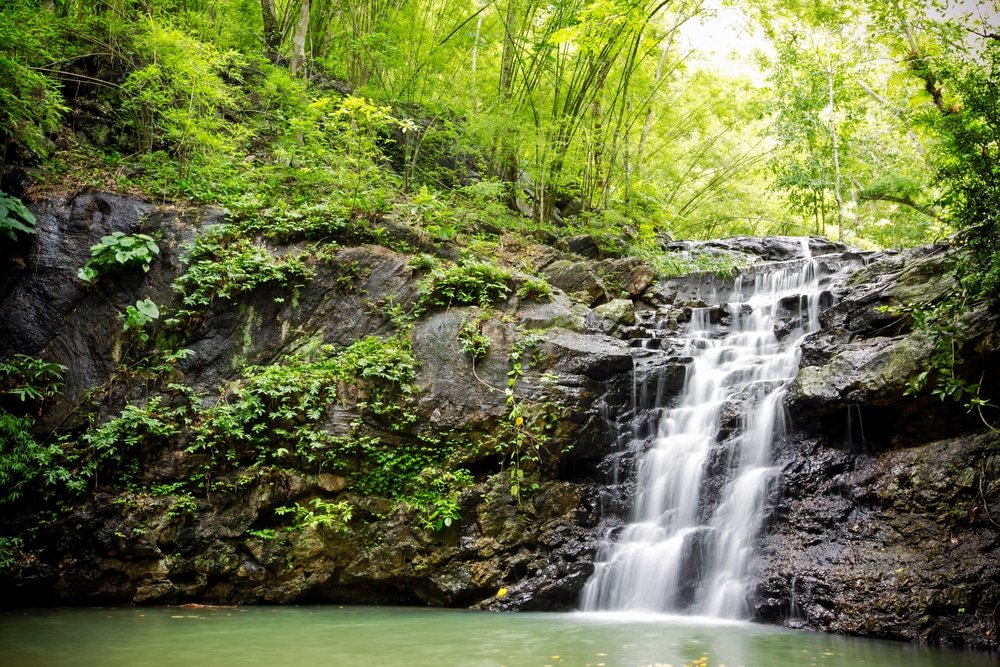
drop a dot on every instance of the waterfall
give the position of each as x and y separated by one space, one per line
700 485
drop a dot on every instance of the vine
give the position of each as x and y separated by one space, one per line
524 431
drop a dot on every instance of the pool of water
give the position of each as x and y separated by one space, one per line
330 636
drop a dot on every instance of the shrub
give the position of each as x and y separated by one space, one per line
24 462
471 283
119 250
29 378
224 266
30 103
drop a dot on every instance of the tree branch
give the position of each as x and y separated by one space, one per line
900 199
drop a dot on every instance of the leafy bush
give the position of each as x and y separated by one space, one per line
435 493
109 443
25 464
535 288
62 469
470 283
119 250
138 316
15 217
10 551
224 266
31 105
318 513
29 378
969 170
424 262
275 411
474 342
181 94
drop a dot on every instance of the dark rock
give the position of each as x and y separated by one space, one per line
768 248
866 355
882 545
596 282
132 547
584 245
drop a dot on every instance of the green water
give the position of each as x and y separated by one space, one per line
386 637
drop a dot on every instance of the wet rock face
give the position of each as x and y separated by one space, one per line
540 550
767 248
884 520
49 312
867 354
898 545
136 547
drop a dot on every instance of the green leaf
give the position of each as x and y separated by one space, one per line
148 308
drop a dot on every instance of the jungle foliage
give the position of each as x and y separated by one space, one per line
868 121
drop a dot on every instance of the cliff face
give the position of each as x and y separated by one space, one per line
433 476
887 519
413 437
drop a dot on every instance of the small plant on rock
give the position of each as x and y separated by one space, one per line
138 316
29 378
535 288
468 284
474 342
119 250
318 513
15 216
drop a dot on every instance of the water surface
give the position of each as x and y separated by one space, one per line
406 637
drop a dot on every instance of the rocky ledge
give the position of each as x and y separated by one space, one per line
142 536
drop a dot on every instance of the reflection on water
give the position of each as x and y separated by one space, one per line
388 637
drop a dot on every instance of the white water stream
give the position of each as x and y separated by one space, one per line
690 539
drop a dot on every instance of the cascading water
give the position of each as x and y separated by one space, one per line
690 540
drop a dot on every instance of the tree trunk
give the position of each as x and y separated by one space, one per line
836 152
507 55
508 169
272 33
475 61
298 63
647 126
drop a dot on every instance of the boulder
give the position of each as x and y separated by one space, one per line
617 313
